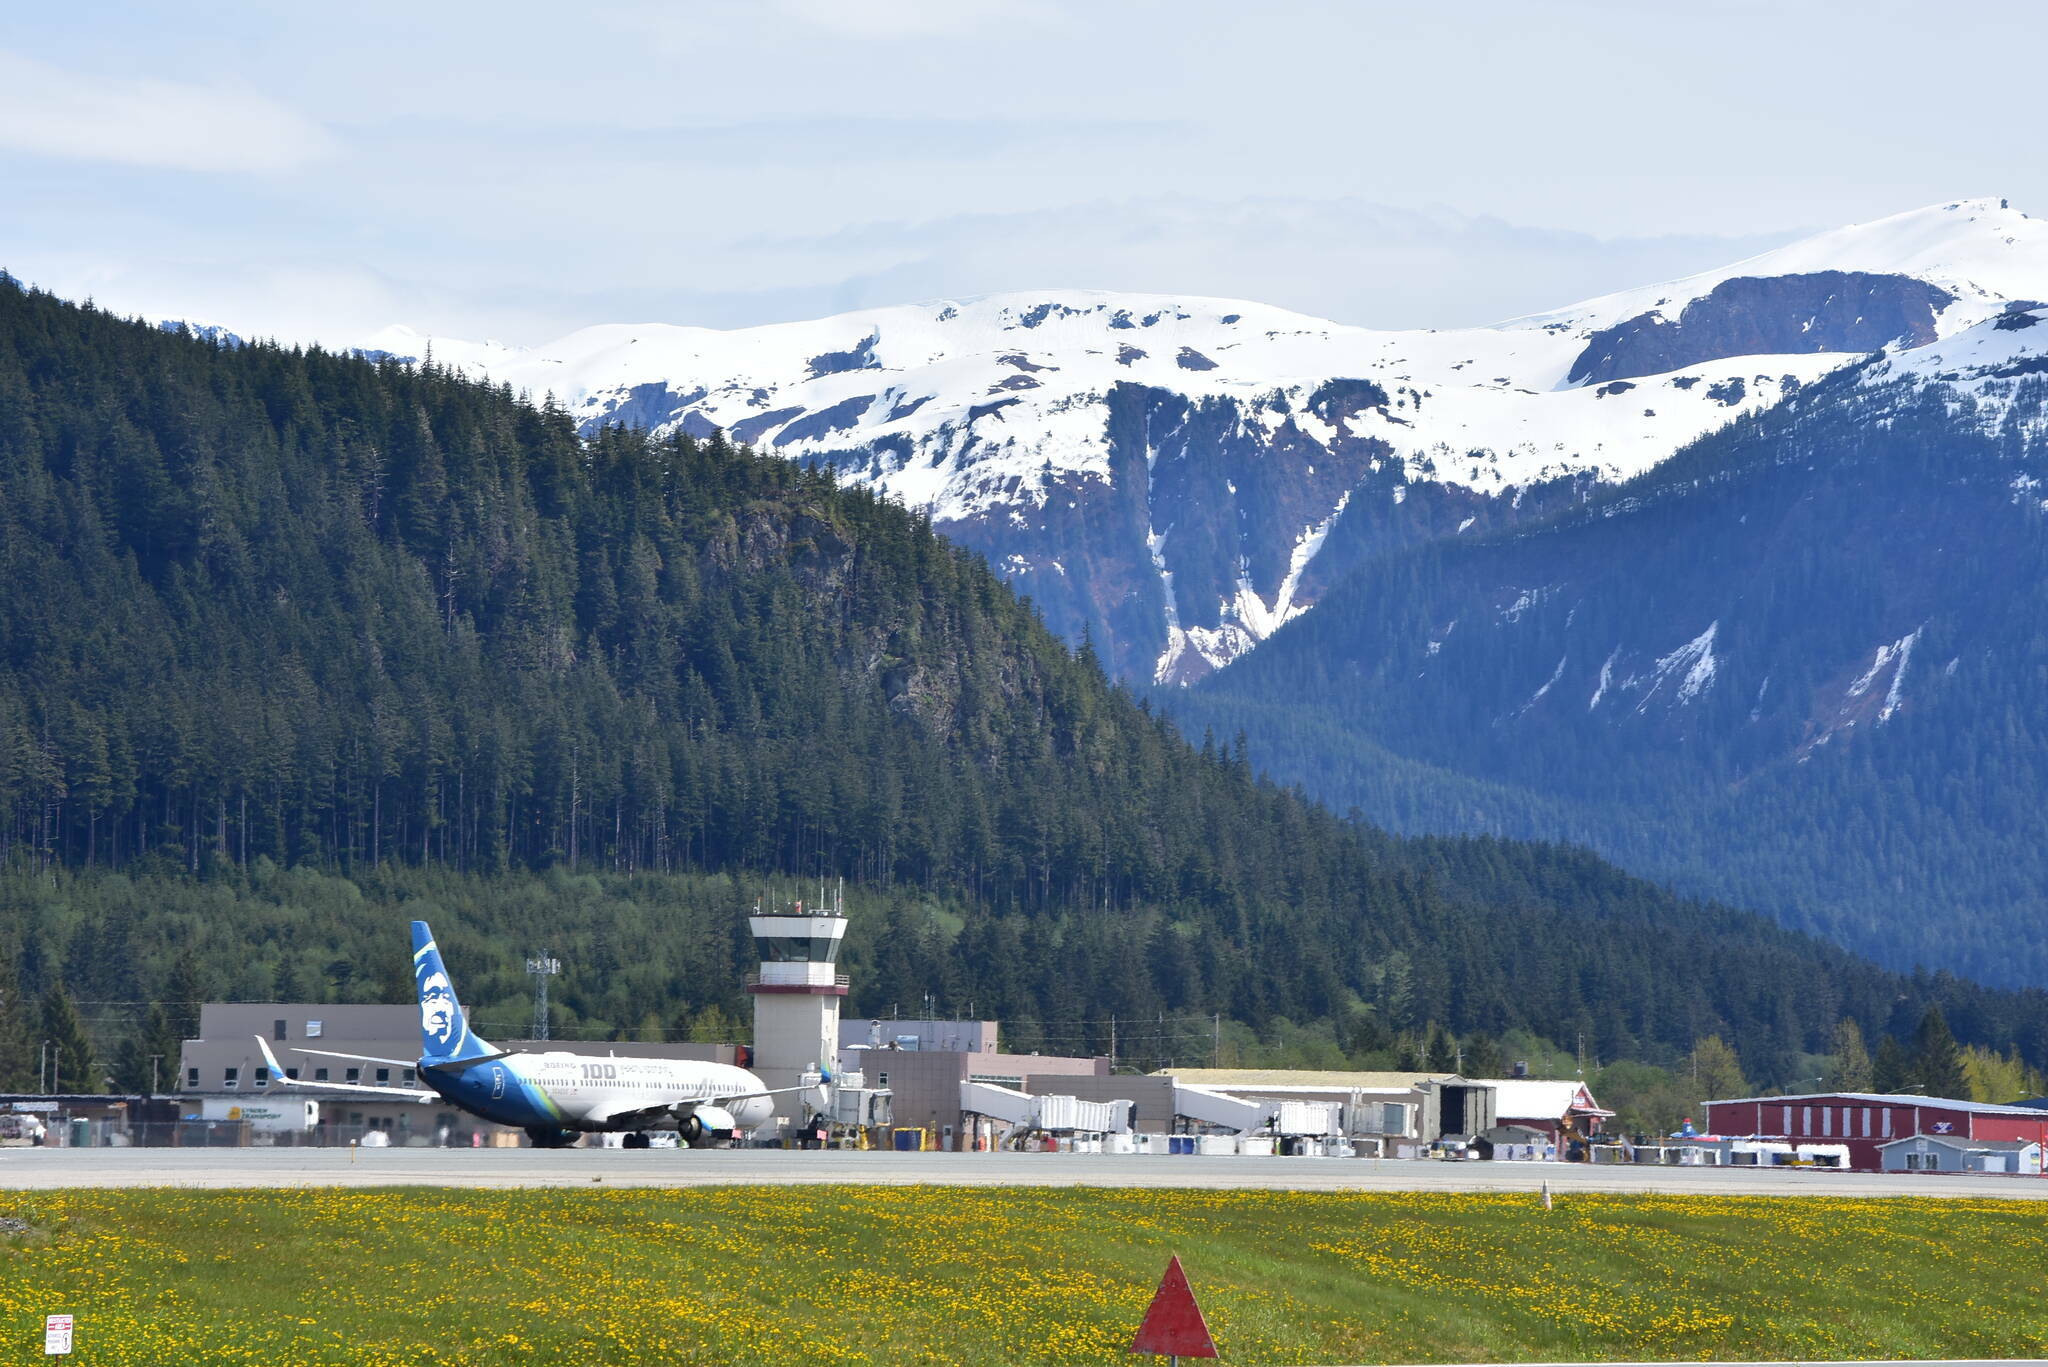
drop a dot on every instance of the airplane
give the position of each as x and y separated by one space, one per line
556 1097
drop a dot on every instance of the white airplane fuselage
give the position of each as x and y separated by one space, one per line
579 1092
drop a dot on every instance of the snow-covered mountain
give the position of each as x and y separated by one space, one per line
1180 475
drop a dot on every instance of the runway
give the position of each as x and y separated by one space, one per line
44 1169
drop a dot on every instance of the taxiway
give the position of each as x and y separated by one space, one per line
28 1169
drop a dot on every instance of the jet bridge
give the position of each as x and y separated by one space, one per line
849 1101
1225 1112
1024 1113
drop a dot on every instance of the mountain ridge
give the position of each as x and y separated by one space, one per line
271 616
1795 667
1172 474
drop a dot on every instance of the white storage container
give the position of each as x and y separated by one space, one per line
1305 1117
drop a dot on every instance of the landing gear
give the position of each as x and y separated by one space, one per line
551 1139
636 1141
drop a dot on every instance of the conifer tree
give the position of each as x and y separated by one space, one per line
1851 1071
158 1053
17 1050
1938 1059
183 992
1892 1070
1483 1057
72 1065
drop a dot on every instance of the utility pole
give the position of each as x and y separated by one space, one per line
155 1062
1112 1044
1216 1041
540 970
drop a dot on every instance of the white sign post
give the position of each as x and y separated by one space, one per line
56 1335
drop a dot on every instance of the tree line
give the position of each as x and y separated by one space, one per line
291 641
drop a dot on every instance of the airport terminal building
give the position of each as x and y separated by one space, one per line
952 1084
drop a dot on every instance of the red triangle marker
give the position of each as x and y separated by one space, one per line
1173 1323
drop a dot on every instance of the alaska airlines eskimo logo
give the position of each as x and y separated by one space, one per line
437 1008
1944 1126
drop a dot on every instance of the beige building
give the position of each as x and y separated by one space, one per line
926 1082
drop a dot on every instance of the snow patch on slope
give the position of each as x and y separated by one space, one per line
1692 664
994 411
1897 655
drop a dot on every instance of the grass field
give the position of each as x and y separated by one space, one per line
821 1275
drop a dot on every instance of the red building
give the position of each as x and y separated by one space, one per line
1863 1120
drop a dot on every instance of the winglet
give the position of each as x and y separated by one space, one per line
270 1059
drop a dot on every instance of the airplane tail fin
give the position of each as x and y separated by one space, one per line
444 1029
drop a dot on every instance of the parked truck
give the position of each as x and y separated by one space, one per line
269 1113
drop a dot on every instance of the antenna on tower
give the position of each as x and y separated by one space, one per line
540 969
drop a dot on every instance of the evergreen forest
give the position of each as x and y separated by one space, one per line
295 645
1799 668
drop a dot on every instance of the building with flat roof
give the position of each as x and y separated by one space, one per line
926 1083
959 1037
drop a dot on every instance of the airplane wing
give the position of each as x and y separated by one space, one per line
623 1111
357 1058
277 1075
638 1109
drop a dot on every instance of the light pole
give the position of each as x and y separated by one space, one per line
45 1073
541 969
155 1061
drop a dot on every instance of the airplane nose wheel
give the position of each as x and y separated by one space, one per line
636 1141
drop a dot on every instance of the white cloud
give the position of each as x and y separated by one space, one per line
1346 259
900 18
47 111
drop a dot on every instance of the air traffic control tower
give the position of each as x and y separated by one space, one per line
796 1000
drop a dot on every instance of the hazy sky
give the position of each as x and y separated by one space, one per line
516 170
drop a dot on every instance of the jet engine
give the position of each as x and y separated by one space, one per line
706 1126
